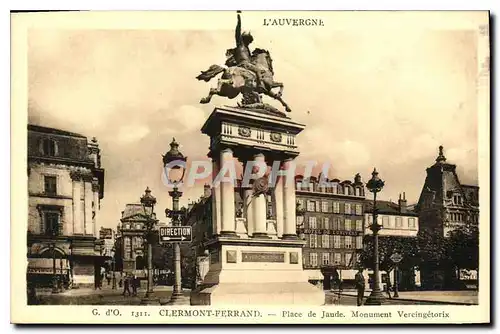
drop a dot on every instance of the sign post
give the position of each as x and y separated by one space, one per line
172 234
396 258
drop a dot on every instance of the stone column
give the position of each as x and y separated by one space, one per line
77 204
278 205
95 221
88 207
227 193
259 208
289 205
216 198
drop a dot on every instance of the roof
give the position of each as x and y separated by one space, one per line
43 129
132 210
387 207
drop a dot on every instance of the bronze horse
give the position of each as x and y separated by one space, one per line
236 80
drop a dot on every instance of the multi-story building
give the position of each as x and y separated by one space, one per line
65 188
130 240
445 204
108 237
398 221
331 221
199 216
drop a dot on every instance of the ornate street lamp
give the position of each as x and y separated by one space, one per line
113 266
174 163
375 185
55 288
148 202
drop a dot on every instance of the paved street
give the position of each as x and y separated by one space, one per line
414 298
106 296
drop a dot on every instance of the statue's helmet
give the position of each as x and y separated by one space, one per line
247 37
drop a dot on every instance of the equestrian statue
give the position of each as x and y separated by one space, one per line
248 73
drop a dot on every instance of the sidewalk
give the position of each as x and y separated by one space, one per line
439 297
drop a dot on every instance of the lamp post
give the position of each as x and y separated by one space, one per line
174 163
148 202
375 185
113 266
55 288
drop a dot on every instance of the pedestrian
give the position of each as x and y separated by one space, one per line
135 282
359 280
126 285
388 286
108 278
120 282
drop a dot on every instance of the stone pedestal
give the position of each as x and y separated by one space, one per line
255 260
256 272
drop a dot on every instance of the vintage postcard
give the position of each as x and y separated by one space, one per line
242 167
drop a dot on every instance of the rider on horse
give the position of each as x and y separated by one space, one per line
241 53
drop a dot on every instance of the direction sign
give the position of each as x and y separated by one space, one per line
176 234
396 257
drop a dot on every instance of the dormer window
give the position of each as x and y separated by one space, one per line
49 147
457 199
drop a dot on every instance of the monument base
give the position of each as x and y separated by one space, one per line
256 272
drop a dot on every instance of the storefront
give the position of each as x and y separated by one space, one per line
41 271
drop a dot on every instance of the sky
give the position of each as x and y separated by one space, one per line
368 97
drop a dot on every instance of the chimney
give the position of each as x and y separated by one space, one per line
402 203
207 191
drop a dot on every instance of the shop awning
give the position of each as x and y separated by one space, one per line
46 266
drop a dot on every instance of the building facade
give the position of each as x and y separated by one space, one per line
108 237
130 240
331 221
65 188
446 204
399 221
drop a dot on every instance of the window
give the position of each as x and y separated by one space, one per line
299 185
51 223
347 208
348 259
347 223
312 223
457 199
411 222
325 241
311 186
313 241
359 209
337 258
324 206
336 207
334 188
326 223
399 222
310 205
325 258
300 221
342 241
336 241
318 206
340 224
137 226
358 191
313 259
346 190
348 242
359 242
359 225
49 147
300 202
385 221
50 185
